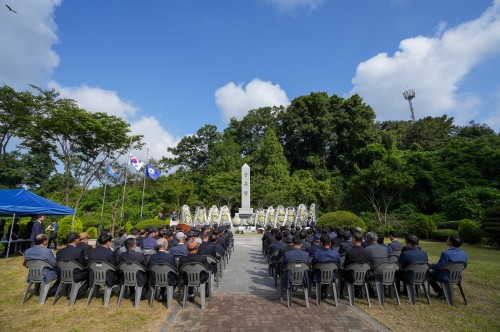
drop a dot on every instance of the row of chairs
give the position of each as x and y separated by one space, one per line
383 275
129 272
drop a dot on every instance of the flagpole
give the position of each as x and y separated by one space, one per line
125 183
144 183
102 208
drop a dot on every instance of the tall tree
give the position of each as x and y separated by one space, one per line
271 175
192 152
77 142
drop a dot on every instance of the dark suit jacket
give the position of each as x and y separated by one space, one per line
37 229
206 248
104 254
345 247
73 253
408 257
85 246
377 253
395 245
356 255
162 257
135 257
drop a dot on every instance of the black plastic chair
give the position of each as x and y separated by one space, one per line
455 269
67 268
161 272
327 274
129 270
420 278
359 271
35 275
272 262
192 272
385 275
99 270
213 261
296 271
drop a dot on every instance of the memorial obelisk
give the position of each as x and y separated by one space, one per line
245 212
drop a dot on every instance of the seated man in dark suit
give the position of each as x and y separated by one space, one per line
377 253
346 244
131 255
315 245
452 255
412 255
38 251
162 257
103 253
72 253
193 257
395 244
324 255
294 255
218 248
84 243
206 247
278 244
356 255
380 240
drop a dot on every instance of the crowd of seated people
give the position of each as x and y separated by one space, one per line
350 245
169 246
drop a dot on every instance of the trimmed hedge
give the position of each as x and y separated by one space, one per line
341 219
443 234
151 222
468 231
65 228
448 225
92 232
421 225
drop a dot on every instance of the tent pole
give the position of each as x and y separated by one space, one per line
10 234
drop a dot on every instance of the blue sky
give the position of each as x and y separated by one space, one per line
169 67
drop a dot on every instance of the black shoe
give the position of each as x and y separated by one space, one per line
191 298
440 295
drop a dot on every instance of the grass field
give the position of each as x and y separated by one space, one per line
34 317
481 282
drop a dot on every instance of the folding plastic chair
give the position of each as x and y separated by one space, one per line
328 276
455 269
296 272
192 273
67 268
420 277
385 275
161 272
129 270
359 271
99 270
35 276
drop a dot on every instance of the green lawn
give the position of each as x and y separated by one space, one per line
34 317
481 282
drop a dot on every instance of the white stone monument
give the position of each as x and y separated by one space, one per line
245 212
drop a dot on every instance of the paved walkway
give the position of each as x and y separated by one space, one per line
246 300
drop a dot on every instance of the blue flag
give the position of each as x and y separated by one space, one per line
112 172
152 172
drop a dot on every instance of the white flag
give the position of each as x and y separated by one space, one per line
136 162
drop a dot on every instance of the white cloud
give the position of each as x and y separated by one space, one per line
234 100
95 99
155 137
109 102
433 67
288 6
27 39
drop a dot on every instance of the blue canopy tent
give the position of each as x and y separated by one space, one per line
20 202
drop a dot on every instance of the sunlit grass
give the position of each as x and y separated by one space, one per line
34 317
481 282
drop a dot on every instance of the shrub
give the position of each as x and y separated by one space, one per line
470 203
150 222
92 232
439 219
420 225
341 219
448 225
128 226
491 223
468 231
65 227
443 234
